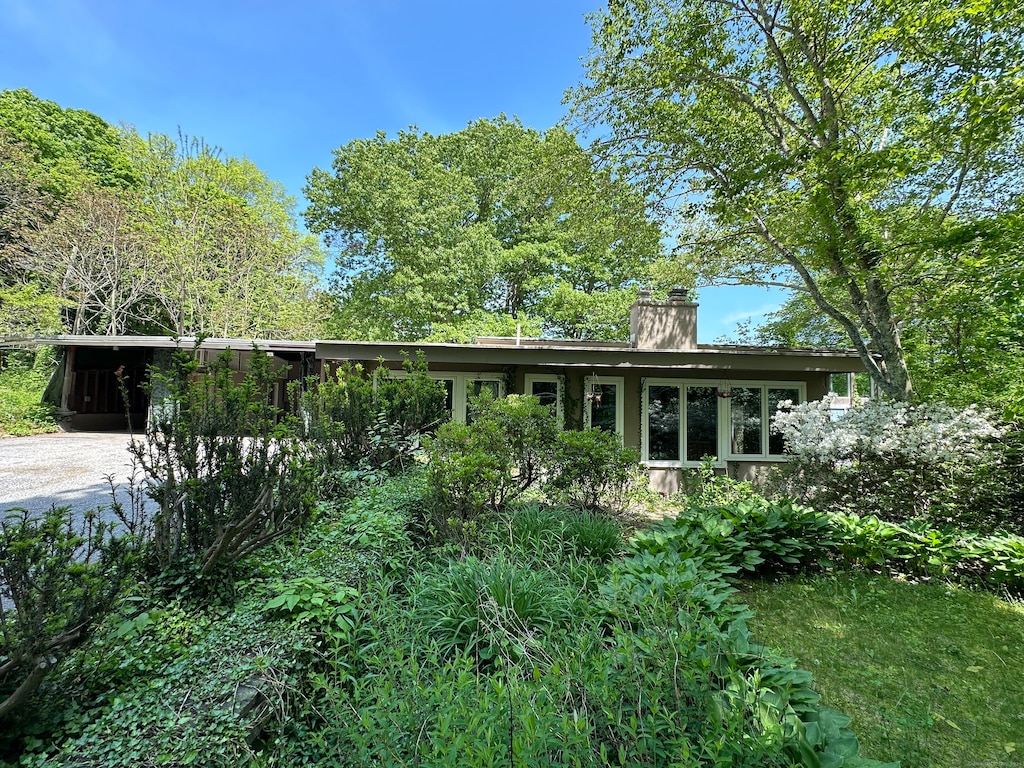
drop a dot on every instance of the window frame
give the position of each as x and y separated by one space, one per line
766 419
549 378
619 382
723 414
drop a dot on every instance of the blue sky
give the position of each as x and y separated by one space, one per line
286 83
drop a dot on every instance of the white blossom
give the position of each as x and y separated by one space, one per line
928 434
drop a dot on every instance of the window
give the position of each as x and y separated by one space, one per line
548 390
752 407
461 387
684 421
681 422
602 403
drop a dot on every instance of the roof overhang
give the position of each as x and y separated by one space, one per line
160 342
706 357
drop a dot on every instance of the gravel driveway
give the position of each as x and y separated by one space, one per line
62 468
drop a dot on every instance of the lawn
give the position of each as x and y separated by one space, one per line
932 674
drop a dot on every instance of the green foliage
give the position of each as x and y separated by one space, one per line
188 686
74 146
471 232
23 378
27 310
313 605
753 535
222 465
542 531
58 578
488 608
130 235
705 487
821 146
371 423
995 561
485 464
591 469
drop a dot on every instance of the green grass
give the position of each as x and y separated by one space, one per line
933 675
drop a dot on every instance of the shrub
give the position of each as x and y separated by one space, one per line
57 580
484 465
994 561
371 422
23 378
705 487
591 469
223 466
896 460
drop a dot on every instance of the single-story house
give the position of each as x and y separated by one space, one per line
675 400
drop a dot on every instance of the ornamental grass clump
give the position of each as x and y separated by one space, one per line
487 608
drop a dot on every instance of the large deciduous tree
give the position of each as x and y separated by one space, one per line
228 258
820 145
480 230
128 234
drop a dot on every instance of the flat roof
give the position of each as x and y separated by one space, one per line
164 342
568 354
565 353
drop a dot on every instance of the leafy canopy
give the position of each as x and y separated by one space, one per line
820 146
496 225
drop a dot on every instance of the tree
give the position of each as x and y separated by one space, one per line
227 258
133 235
99 264
820 146
490 227
73 146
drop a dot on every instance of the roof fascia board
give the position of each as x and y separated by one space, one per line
570 357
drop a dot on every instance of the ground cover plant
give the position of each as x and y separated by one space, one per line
23 377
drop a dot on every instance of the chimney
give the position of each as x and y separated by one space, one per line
668 324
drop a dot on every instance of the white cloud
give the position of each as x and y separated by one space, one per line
750 314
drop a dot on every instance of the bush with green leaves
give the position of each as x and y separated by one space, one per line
706 487
656 668
370 421
591 469
58 578
23 379
483 465
224 466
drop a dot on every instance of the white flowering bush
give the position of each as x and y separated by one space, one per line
899 461
931 434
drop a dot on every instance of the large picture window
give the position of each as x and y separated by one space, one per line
686 421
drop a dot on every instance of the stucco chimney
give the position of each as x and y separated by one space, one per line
668 324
